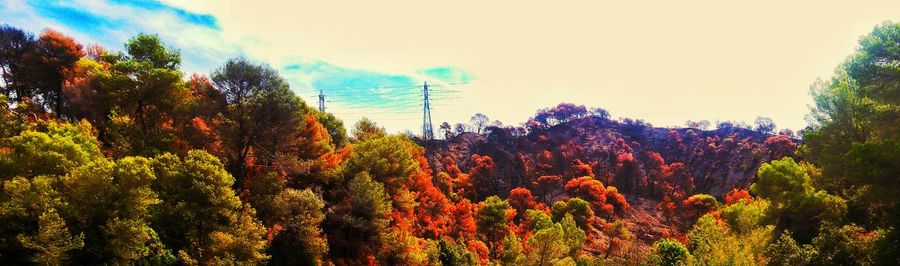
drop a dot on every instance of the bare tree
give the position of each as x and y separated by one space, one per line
479 122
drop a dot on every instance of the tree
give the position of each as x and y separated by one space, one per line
562 113
455 254
737 195
358 226
299 239
679 175
628 173
446 130
14 45
520 199
479 122
547 245
263 115
582 169
578 209
698 205
786 251
745 216
619 237
670 252
335 128
57 150
200 216
367 129
764 125
111 204
546 185
52 240
857 110
483 175
844 245
493 218
54 58
797 205
709 243
605 200
141 93
390 160
512 251
780 146
667 207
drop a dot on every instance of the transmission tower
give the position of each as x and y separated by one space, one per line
321 101
427 129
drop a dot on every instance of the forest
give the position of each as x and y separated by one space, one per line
116 157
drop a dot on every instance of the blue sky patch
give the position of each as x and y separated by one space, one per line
78 19
447 74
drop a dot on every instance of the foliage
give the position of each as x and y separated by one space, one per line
52 241
493 219
670 252
300 239
795 203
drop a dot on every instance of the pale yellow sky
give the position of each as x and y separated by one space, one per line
663 61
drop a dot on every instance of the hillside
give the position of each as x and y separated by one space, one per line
717 160
678 162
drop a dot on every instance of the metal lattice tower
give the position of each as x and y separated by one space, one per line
321 101
427 129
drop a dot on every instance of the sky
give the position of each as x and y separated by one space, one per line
662 61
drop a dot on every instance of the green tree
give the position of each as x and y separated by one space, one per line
200 216
553 243
493 219
263 117
547 245
708 242
670 252
743 217
52 240
390 160
844 245
455 254
358 226
854 136
795 203
142 92
512 251
11 123
365 129
579 209
574 236
110 204
335 128
55 150
786 251
300 240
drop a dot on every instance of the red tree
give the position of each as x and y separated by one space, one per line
736 195
520 199
603 199
482 175
680 177
780 146
698 205
53 61
628 173
582 169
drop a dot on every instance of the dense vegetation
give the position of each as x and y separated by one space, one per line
115 157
